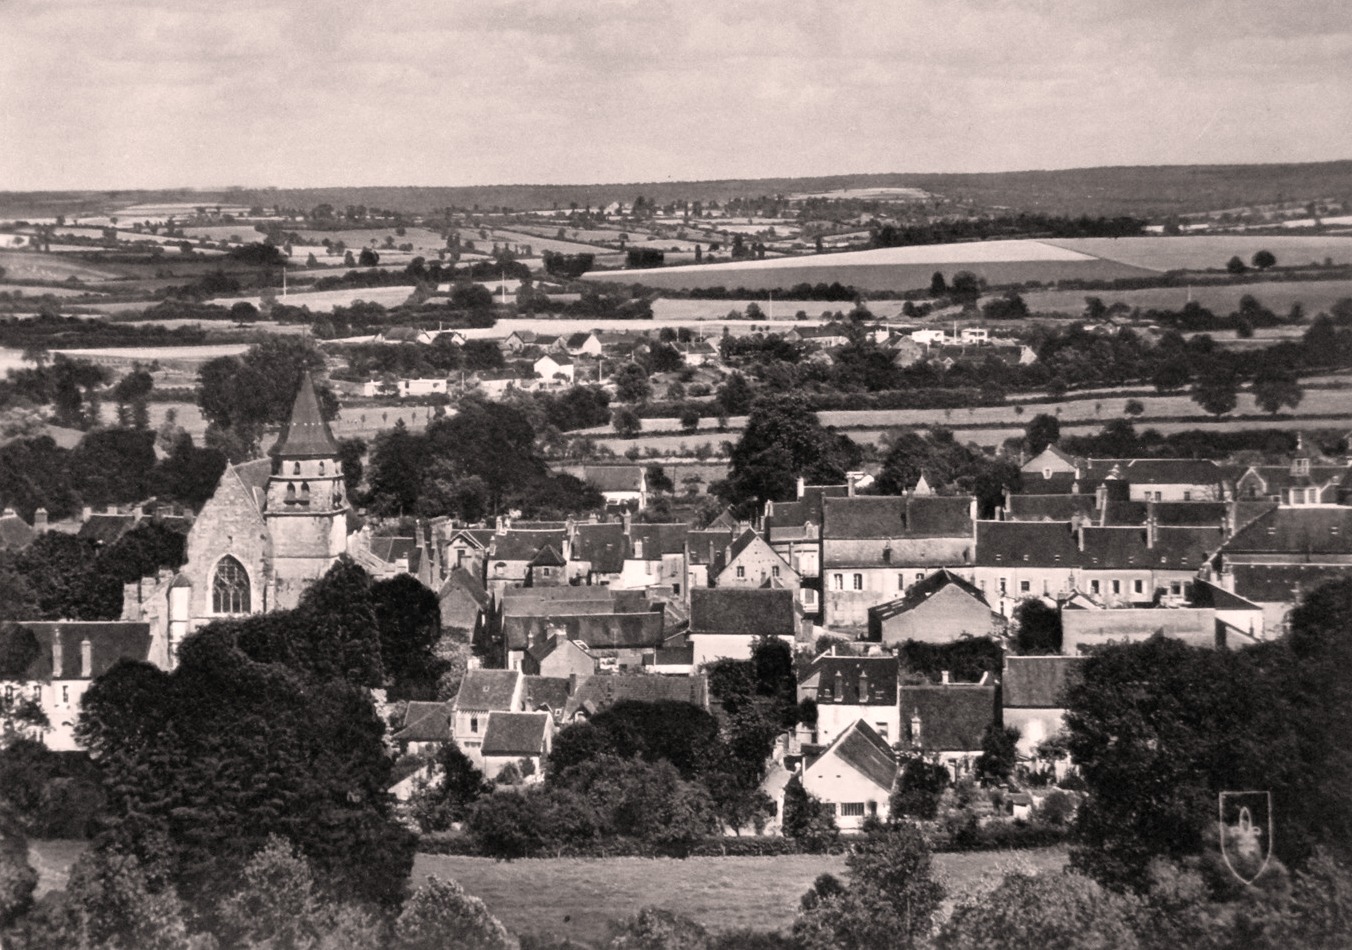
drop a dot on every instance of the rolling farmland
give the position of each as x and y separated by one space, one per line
1210 251
1313 295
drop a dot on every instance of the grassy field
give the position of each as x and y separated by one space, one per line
323 301
24 265
1210 251
577 897
1278 296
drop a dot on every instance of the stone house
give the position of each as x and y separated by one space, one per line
1032 691
948 720
725 622
940 608
751 562
848 689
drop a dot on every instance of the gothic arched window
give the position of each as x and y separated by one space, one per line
230 588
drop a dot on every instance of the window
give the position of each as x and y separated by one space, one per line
230 592
859 582
1117 587
290 493
1025 587
1187 496
901 582
65 695
1004 584
741 571
1138 586
919 576
774 570
86 659
295 468
1093 587
304 493
321 468
809 597
9 694
474 724
1175 588
838 581
851 809
887 554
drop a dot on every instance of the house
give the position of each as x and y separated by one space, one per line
619 484
751 562
1240 620
517 738
1032 692
1053 471
847 689
600 692
704 555
558 656
929 337
875 547
52 663
555 365
404 335
547 568
854 776
1307 480
656 560
1084 630
698 353
512 551
793 528
463 547
618 628
584 344
464 605
107 527
940 608
597 553
906 351
725 622
518 340
547 694
427 726
15 533
947 720
975 335
482 692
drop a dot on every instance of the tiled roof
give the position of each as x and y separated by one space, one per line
864 750
1207 594
109 641
392 549
603 545
548 557
542 691
1283 583
1309 532
739 611
1195 626
603 690
924 589
607 631
520 733
952 718
254 476
1048 507
462 580
1035 543
306 434
522 545
888 516
15 533
1037 682
707 547
487 689
426 722
843 676
105 529
658 539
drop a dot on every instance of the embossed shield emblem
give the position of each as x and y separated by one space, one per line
1246 833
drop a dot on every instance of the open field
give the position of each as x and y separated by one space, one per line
1209 251
323 301
423 240
893 268
1278 296
25 265
576 897
675 308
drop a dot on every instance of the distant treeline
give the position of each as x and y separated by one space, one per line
1006 226
46 331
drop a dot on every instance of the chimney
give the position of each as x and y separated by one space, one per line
850 479
86 513
638 549
944 677
40 521
497 524
801 485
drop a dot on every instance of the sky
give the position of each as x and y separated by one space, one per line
119 94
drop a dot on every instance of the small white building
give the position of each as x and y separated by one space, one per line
554 365
854 776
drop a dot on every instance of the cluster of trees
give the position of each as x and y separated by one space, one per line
480 461
947 466
1004 226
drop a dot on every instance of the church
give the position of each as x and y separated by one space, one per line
272 527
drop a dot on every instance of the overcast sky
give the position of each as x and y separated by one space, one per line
165 93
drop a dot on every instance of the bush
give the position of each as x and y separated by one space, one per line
1047 910
440 914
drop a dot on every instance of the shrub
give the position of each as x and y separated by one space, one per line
440 914
1049 910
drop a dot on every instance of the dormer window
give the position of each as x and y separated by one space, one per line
295 468
840 684
1047 472
321 468
57 660
1302 467
887 554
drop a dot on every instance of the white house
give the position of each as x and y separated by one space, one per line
725 622
854 776
553 365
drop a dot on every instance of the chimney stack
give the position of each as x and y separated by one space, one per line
40 521
943 677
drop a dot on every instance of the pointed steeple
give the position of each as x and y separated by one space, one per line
307 435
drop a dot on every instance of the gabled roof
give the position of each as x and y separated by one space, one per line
744 541
603 545
860 747
426 722
106 528
658 539
109 641
603 690
844 676
548 557
707 546
487 689
522 545
390 549
521 733
922 590
1038 682
1311 532
306 434
15 533
545 691
614 478
952 717
599 631
742 612
891 516
1207 594
1035 543
462 580
1048 507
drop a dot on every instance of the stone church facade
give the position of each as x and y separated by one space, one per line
272 527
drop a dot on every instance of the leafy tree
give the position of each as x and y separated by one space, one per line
368 258
655 929
1042 910
890 901
1236 265
1172 374
938 286
626 422
677 732
966 658
18 880
1042 430
689 418
189 475
399 462
1039 627
440 914
1263 259
461 786
61 571
807 819
782 441
351 453
735 395
408 616
920 786
1134 407
111 900
999 752
1217 389
241 395
965 287
1275 385
631 383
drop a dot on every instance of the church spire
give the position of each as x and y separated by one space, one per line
306 435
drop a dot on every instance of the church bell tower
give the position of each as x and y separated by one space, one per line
307 505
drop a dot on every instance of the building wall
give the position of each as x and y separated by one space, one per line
722 646
835 718
837 783
567 660
758 563
229 524
946 616
848 592
1034 725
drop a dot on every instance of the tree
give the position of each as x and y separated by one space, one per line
890 901
735 395
243 394
807 819
111 901
689 418
1134 407
1263 259
1235 265
440 914
920 785
655 929
1042 910
18 880
999 752
1039 627
1042 430
1276 385
1172 374
1217 388
965 287
631 383
461 786
408 616
626 422
782 441
938 286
